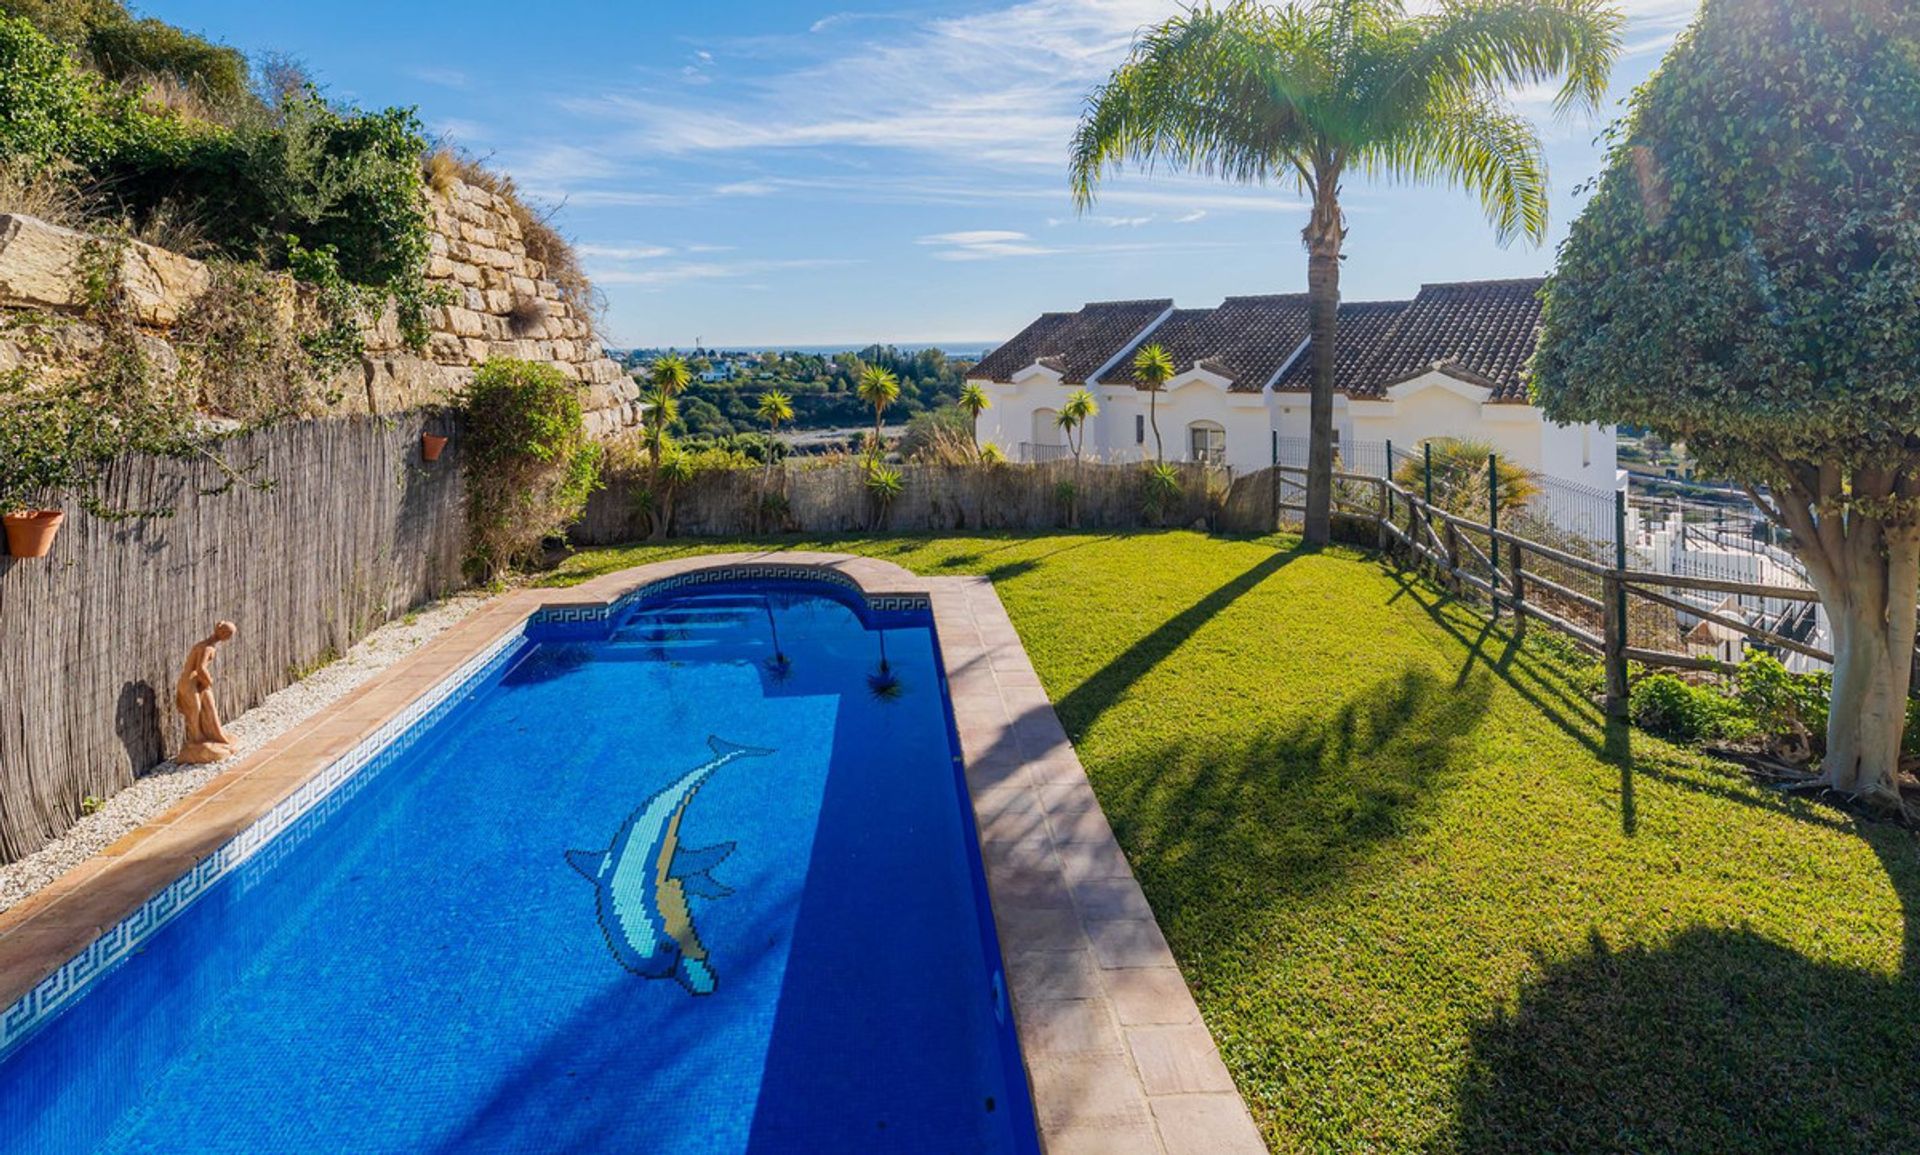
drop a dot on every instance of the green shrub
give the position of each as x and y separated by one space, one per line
529 466
1160 490
1670 708
1785 708
50 109
137 49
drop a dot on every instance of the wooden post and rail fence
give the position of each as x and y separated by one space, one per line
1536 581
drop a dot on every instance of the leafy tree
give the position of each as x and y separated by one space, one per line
878 388
1318 89
973 402
1746 278
1154 368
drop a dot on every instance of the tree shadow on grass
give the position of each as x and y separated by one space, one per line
1224 828
1720 1040
1546 685
1087 701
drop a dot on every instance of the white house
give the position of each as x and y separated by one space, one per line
1449 363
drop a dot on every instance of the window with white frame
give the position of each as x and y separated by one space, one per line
1207 442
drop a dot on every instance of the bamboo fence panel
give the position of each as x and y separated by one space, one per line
353 530
831 498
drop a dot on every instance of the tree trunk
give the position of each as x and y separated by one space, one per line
1873 620
1153 418
1324 233
1866 568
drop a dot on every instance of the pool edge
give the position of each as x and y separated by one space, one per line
1117 1057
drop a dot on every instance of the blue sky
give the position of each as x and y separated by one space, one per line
757 173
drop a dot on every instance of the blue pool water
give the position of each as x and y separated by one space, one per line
560 918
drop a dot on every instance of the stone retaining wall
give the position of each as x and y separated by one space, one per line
504 306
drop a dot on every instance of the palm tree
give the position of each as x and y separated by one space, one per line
668 378
973 401
879 388
1154 367
1319 88
1074 414
775 407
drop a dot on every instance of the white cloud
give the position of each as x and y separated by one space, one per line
983 245
444 77
1189 218
919 89
747 188
623 252
688 271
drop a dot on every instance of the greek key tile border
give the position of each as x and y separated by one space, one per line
304 811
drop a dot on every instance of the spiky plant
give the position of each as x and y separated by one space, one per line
879 388
973 401
1154 367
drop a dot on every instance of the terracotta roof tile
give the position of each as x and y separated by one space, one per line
1082 342
1364 326
1478 331
1485 330
1245 340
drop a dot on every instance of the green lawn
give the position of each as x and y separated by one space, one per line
1427 898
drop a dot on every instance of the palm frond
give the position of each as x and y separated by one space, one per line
1479 145
1469 45
1220 92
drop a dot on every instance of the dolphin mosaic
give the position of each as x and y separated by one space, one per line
643 881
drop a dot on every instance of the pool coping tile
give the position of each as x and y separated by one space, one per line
1116 1054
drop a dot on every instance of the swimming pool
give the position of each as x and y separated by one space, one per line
696 875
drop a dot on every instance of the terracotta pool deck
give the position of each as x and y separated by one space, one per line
1116 1055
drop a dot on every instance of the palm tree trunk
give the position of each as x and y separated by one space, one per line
1153 418
1324 233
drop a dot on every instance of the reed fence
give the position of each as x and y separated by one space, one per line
828 498
347 530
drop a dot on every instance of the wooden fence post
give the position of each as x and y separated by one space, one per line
1383 514
1615 612
1519 590
1614 634
1453 557
1493 538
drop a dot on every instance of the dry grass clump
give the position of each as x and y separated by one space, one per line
47 194
544 243
526 314
241 349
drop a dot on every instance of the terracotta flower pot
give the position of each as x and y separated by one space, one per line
431 446
30 533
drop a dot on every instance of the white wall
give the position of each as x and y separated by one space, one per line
1435 405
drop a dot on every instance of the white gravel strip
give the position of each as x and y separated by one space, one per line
159 788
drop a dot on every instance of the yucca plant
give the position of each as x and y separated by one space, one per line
775 408
1318 90
883 483
879 388
1160 490
1154 368
973 401
1460 477
1078 409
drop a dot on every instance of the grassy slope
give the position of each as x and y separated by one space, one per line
1426 897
